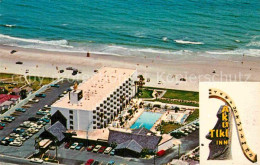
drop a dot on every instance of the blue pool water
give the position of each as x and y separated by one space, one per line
147 120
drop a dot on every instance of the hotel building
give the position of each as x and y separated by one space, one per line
93 104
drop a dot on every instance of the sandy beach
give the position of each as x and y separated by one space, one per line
165 71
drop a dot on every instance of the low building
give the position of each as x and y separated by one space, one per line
93 104
7 101
134 142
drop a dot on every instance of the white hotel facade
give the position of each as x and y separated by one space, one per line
96 102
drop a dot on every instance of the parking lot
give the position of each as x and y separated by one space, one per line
77 157
52 94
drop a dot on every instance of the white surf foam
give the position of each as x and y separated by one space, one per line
62 43
188 42
254 43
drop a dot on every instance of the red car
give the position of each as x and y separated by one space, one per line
89 162
90 148
102 149
67 145
1 127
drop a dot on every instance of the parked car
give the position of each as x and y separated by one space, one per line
7 120
20 110
96 162
4 142
2 124
33 119
79 146
89 162
18 130
69 68
10 117
97 148
36 160
67 145
41 95
61 71
107 150
46 120
19 62
16 143
34 100
102 149
112 152
1 127
55 85
41 113
74 145
47 107
111 162
91 147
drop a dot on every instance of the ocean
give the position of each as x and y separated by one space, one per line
134 27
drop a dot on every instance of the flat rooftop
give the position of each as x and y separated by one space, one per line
97 88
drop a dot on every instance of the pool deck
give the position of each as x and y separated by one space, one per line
136 116
157 122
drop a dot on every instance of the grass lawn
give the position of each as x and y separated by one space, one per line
193 116
180 94
169 127
19 81
173 94
146 93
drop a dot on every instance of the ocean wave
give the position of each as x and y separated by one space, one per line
8 25
254 43
237 52
188 42
62 43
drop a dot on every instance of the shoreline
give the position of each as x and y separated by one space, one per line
168 72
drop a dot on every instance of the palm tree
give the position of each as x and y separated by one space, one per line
141 82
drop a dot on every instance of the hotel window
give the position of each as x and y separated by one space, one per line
94 117
94 127
71 127
71 117
97 108
71 111
94 122
71 122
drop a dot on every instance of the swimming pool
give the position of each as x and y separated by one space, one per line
147 120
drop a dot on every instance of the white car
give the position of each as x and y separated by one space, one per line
16 143
74 145
97 148
47 107
36 160
107 150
